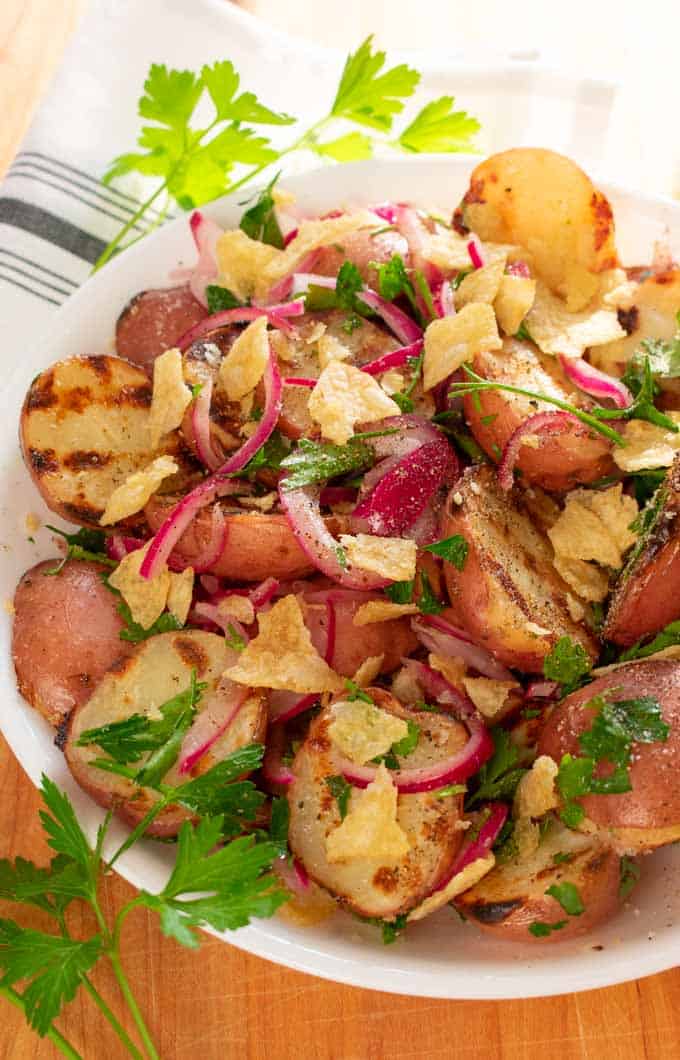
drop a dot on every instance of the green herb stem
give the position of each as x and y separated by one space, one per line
126 990
53 1034
109 1015
138 831
111 249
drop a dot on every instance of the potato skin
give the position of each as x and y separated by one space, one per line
646 597
365 886
361 248
561 461
65 635
648 816
153 321
512 896
353 644
258 545
508 579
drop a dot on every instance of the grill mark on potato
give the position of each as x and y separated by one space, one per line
81 459
76 399
82 512
493 912
121 664
191 654
603 218
61 734
386 879
101 366
43 461
628 319
136 396
42 395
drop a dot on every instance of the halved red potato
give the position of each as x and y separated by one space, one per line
508 595
200 363
156 671
543 201
84 429
258 545
512 897
561 461
648 816
153 321
366 885
354 644
66 635
362 248
647 595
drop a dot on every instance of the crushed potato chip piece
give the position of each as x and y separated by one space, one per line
392 382
363 731
595 525
536 794
489 696
171 396
131 496
389 557
180 594
343 396
577 611
481 285
242 262
555 329
265 503
514 300
452 340
284 349
368 670
146 597
382 611
238 607
282 654
331 349
452 668
587 580
647 445
623 295
462 881
581 286
526 837
447 250
370 829
538 631
244 365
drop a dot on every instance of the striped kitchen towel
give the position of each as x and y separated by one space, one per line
55 215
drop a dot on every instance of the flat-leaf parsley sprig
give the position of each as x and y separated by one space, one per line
196 161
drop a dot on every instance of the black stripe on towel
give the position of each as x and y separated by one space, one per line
53 229
25 287
38 266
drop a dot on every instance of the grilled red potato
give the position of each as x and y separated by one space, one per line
156 671
646 596
66 635
362 248
353 644
153 321
561 461
84 429
508 589
365 885
648 815
512 897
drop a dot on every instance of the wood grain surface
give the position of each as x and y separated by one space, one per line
223 1004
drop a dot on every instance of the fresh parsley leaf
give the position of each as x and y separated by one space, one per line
567 663
136 633
86 544
452 549
62 828
408 743
268 457
393 280
663 356
313 462
235 641
318 299
401 592
354 692
668 637
220 792
450 789
561 858
427 601
222 82
260 221
341 791
568 897
278 824
639 379
234 882
540 929
196 390
629 874
523 333
368 96
390 929
352 147
646 483
348 285
24 882
54 967
440 129
499 776
220 298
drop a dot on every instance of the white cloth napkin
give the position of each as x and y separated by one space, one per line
56 217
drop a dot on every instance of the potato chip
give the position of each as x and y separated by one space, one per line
481 285
284 349
452 340
595 526
587 580
526 838
132 495
368 670
180 594
343 396
331 349
513 301
536 795
647 445
282 654
146 597
615 509
382 611
392 382
462 881
492 698
243 262
389 557
363 731
450 667
171 396
556 330
447 250
244 365
370 830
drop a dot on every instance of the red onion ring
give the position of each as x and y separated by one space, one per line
443 300
283 288
276 315
476 253
263 593
406 329
596 383
273 769
337 495
441 638
478 847
518 268
200 426
542 690
211 723
206 233
118 546
299 380
393 359
387 211
442 691
286 705
214 546
540 423
181 516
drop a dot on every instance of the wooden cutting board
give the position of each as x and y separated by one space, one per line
221 1004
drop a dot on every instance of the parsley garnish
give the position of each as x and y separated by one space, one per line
452 549
235 641
440 128
668 637
355 692
313 462
85 544
562 859
400 592
498 778
522 333
165 623
408 743
629 874
428 603
568 897
567 663
220 298
341 791
268 457
450 789
540 929
260 221
391 929
278 824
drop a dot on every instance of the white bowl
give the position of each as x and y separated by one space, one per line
441 957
